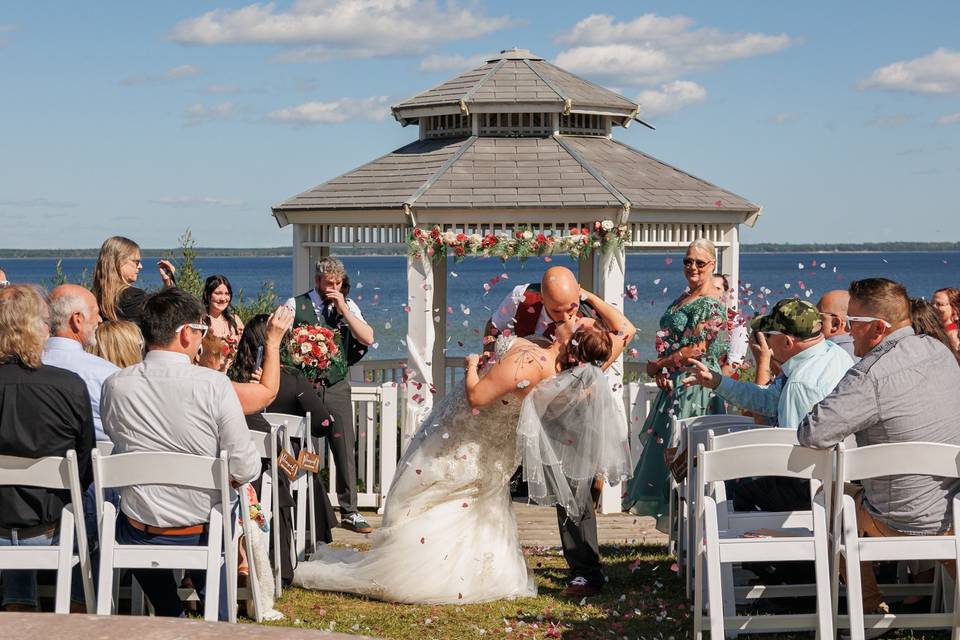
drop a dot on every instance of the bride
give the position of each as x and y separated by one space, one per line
449 534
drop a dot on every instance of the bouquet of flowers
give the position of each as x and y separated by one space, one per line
315 350
230 344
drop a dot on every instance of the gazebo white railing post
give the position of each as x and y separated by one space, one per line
610 274
421 341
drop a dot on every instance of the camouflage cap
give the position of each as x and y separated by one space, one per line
797 318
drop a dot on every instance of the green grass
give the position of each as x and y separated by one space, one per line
644 599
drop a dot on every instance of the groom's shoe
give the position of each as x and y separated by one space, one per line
356 522
580 587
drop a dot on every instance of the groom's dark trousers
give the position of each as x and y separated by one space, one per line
579 541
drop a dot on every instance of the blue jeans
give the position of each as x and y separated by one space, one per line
159 584
20 586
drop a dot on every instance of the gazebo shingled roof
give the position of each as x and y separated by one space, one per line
516 77
517 172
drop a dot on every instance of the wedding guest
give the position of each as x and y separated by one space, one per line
947 303
296 397
117 269
213 353
165 403
833 310
74 319
217 297
326 305
120 342
3 279
904 389
811 366
46 412
925 320
738 336
691 327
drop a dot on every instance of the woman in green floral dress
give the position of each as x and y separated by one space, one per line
691 328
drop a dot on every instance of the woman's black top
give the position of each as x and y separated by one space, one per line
296 397
43 412
130 305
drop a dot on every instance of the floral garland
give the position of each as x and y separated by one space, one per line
606 236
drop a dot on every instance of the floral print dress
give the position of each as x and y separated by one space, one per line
700 321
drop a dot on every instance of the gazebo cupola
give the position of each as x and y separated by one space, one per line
516 143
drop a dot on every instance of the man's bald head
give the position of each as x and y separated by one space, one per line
561 293
833 306
74 314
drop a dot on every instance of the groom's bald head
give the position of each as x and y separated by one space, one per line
561 293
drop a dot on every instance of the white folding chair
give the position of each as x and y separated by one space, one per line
302 488
875 461
266 444
688 433
717 547
52 472
169 469
729 519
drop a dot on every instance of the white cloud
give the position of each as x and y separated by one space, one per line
936 72
39 203
452 63
670 97
652 49
334 111
183 202
784 117
200 113
953 118
320 30
174 73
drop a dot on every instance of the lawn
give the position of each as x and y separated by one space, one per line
644 599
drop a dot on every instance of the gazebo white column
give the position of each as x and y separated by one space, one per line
609 278
420 343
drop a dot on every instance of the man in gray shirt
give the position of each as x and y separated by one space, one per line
166 403
906 388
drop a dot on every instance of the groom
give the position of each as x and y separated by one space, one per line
536 309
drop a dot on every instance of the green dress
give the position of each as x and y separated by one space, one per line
697 321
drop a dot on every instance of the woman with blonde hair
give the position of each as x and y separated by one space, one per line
118 267
46 412
692 327
120 342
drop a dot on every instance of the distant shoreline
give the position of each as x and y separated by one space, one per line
286 252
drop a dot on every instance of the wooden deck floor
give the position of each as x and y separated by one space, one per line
538 528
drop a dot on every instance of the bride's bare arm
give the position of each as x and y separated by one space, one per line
517 372
621 329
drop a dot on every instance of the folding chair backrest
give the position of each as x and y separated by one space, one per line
781 460
262 441
105 447
292 426
773 435
682 425
900 458
49 473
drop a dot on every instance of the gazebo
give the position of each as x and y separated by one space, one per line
517 144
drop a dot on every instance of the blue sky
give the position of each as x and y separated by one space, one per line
143 119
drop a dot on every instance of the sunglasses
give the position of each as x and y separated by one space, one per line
689 262
868 319
196 327
136 261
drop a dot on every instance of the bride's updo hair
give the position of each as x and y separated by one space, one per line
588 345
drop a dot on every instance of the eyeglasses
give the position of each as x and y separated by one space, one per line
868 319
689 262
196 327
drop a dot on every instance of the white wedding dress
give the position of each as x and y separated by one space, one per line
449 534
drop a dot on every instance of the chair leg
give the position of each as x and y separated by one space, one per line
300 530
211 602
106 597
698 588
852 562
138 599
712 574
64 562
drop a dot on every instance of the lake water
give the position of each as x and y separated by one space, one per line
379 284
